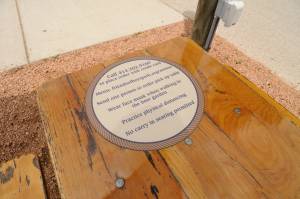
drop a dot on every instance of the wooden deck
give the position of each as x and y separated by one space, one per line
246 145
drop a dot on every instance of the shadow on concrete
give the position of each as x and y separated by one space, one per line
189 14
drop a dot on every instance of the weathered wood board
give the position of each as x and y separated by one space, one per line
250 153
21 179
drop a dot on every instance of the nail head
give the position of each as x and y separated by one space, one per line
237 110
119 182
188 141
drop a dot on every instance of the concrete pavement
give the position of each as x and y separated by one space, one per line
12 51
53 27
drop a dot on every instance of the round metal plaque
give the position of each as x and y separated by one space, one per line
144 103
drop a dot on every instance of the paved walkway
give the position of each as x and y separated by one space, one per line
268 31
31 30
12 51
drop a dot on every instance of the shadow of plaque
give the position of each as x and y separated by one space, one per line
144 103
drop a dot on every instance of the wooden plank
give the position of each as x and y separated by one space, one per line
205 165
203 20
251 154
264 132
86 165
201 65
21 178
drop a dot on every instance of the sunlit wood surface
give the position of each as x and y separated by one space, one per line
21 179
254 153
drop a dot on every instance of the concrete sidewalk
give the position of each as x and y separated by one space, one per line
12 51
268 31
31 30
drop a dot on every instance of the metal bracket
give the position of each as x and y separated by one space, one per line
229 11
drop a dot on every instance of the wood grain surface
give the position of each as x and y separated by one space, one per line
245 146
21 179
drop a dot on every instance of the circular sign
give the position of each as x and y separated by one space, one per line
144 103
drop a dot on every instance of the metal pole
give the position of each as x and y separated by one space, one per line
211 33
205 23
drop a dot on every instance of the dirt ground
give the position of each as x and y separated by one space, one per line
21 129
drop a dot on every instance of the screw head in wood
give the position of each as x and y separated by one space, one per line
237 110
119 183
188 141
